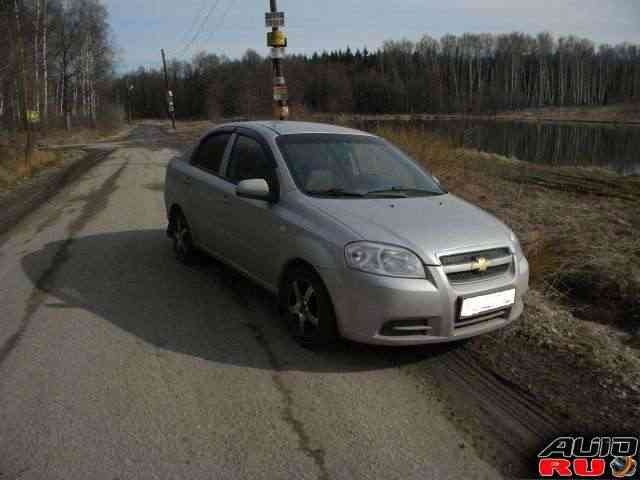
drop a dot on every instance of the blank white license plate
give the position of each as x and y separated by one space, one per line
485 303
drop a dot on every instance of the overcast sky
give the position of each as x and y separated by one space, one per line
229 27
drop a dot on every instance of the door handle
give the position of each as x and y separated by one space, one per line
226 199
186 180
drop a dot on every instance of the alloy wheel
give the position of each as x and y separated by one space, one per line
182 238
302 304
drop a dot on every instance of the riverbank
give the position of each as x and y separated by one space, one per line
618 114
577 347
625 113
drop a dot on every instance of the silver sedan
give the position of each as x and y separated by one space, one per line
354 237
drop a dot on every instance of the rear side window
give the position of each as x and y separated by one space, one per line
248 160
211 152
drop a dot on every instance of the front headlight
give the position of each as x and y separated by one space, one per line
383 260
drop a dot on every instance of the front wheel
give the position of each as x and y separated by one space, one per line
182 241
307 309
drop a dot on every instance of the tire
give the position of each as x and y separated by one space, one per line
182 240
307 309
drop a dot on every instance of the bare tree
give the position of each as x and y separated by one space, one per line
21 81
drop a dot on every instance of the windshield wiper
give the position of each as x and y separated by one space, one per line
402 191
335 192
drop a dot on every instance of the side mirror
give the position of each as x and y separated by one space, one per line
254 188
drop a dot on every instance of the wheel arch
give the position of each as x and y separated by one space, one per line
292 264
298 262
301 263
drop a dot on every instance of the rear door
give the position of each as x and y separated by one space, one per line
206 191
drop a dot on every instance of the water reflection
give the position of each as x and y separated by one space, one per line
575 144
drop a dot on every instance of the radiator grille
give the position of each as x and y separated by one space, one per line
457 259
462 267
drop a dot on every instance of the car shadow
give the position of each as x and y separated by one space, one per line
132 279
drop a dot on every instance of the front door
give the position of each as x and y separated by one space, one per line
253 224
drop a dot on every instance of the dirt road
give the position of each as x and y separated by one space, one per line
116 362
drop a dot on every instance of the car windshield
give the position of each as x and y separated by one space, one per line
353 166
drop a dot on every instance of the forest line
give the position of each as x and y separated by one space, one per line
470 73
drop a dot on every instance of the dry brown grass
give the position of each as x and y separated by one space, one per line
13 167
580 230
78 135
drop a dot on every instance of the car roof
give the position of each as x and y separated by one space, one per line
276 128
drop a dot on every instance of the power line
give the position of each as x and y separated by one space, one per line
154 64
199 31
179 54
198 16
221 23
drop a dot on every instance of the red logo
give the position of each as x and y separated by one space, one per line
567 457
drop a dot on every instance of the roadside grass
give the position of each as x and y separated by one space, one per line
12 164
12 168
577 347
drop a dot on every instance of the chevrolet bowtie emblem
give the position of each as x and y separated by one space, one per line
480 264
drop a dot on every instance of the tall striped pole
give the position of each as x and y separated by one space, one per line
277 40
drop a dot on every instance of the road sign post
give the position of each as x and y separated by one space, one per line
274 19
170 105
33 116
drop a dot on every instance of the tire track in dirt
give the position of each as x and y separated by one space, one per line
507 425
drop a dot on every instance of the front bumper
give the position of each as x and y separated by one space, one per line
398 311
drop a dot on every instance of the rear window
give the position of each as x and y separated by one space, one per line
211 152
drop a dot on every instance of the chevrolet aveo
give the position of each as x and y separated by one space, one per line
355 238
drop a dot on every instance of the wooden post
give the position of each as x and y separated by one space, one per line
130 104
170 105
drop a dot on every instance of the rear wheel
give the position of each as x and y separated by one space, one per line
182 240
307 308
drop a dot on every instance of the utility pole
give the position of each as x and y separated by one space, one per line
130 103
170 107
277 40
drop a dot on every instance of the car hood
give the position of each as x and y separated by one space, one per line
430 226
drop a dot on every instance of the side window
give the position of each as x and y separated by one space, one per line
211 152
248 160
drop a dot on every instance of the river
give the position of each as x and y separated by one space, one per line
615 147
